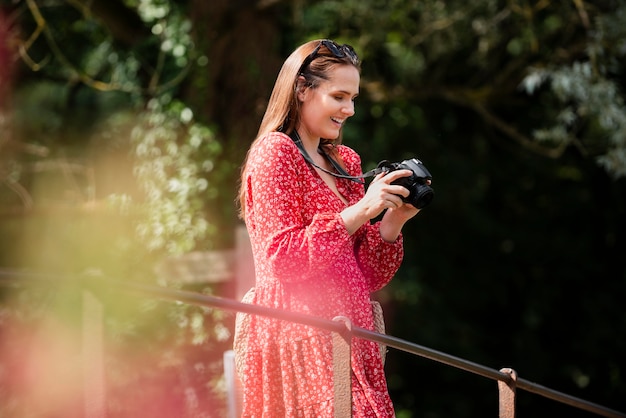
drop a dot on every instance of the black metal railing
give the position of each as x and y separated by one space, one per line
508 381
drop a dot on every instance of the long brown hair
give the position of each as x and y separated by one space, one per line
283 109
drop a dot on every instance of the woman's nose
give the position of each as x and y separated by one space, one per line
349 109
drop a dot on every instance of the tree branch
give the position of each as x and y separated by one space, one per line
23 194
124 27
504 127
123 23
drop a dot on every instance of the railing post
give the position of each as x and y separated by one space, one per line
507 394
342 370
233 400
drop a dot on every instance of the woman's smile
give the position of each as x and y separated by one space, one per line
338 121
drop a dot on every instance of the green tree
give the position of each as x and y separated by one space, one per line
517 108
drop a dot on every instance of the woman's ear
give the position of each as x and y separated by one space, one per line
300 87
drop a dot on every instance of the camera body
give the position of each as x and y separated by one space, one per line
420 193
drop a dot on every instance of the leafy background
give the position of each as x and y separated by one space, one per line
123 125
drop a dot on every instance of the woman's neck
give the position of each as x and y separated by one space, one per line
310 144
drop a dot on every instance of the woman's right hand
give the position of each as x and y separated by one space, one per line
380 195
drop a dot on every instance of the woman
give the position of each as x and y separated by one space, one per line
315 249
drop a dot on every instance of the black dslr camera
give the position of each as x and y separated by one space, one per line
420 193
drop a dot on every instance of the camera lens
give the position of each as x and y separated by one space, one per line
424 194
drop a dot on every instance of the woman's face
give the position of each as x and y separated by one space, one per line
326 108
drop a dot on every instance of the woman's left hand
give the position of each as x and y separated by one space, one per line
395 218
403 213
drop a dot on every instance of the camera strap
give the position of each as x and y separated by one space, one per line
341 173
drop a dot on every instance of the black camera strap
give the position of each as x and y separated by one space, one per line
341 173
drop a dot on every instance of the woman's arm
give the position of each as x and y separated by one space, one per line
381 195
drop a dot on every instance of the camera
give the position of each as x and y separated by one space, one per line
420 193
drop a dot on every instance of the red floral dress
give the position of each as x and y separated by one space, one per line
306 262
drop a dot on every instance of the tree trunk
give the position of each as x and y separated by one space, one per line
241 40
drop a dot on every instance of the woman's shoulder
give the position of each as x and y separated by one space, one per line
276 139
274 150
347 152
273 144
349 156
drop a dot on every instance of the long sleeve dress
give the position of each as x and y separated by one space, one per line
306 262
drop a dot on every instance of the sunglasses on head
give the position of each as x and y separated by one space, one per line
338 51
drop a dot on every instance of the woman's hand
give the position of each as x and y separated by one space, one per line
381 195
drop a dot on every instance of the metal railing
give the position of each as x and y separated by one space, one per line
344 331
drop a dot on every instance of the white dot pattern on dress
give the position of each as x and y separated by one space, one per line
306 262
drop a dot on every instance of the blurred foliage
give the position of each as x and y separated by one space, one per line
167 147
108 171
127 121
106 97
482 55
